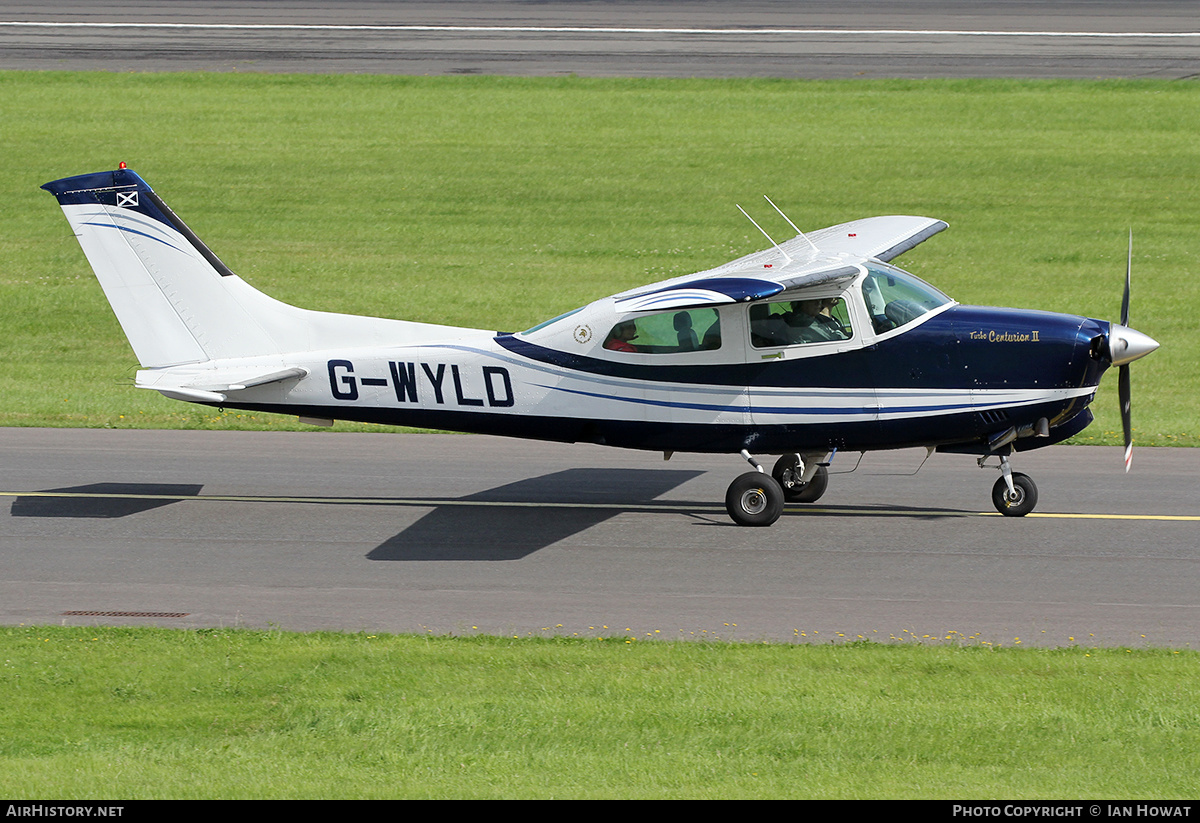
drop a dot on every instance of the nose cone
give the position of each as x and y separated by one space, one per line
1126 345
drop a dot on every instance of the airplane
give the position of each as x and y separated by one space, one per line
809 348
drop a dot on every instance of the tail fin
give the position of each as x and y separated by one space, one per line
162 282
176 301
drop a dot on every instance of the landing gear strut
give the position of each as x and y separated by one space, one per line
789 471
1014 494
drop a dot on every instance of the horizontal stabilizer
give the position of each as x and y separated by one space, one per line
212 385
193 395
264 379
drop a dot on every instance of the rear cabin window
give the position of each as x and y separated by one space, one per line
798 322
667 333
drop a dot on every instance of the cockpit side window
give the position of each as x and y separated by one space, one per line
667 333
895 298
797 322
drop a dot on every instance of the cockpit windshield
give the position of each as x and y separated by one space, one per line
895 298
546 323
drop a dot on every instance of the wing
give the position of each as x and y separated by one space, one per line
822 256
884 238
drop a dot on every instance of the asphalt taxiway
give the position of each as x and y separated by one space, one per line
463 534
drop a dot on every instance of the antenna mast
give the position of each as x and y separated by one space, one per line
764 233
811 244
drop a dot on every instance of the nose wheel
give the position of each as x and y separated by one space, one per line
1018 502
1014 494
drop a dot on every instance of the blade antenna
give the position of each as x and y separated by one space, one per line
811 244
760 228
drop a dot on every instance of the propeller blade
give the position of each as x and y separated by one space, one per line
1128 271
1125 346
1126 421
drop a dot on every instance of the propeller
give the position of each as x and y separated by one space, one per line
1124 346
1123 390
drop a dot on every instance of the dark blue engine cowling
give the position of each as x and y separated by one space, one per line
1025 349
1007 348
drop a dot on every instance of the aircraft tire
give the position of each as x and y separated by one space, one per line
1023 503
794 492
754 499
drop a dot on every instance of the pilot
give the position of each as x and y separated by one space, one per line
813 322
619 337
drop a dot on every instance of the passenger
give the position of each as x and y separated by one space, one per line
619 337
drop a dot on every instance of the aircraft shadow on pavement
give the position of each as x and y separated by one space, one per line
510 532
102 500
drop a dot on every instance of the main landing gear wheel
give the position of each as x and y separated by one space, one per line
754 499
794 491
1020 502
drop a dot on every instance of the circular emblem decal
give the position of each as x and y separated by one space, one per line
583 334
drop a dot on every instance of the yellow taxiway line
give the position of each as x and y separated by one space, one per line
432 503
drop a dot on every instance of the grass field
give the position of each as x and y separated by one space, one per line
499 202
147 713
